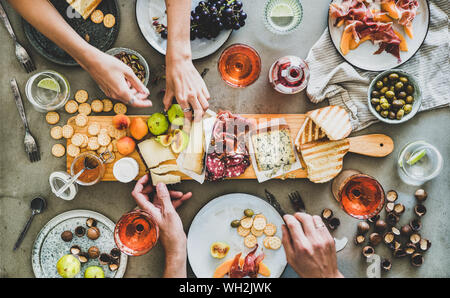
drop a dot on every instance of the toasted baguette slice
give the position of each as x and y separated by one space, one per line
333 120
195 151
324 158
154 153
309 132
84 7
164 169
166 179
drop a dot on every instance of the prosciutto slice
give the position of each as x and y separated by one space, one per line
250 267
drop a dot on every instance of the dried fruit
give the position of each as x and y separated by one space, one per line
421 195
66 236
93 233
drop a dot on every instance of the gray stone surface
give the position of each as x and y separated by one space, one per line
20 180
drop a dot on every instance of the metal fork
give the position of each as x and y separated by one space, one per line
297 201
31 147
21 53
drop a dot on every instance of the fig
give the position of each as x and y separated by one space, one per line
180 141
165 140
94 272
68 266
157 124
219 250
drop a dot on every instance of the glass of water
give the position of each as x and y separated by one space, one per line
419 162
47 90
283 16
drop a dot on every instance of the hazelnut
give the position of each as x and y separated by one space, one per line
399 209
424 244
389 207
368 251
417 259
90 222
66 236
113 265
327 214
420 210
115 253
410 248
333 223
363 227
375 239
414 238
380 225
75 250
83 257
104 259
421 195
386 264
406 230
80 231
415 225
359 239
391 196
93 252
93 233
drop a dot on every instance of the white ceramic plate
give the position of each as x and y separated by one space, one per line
212 223
48 247
363 56
147 9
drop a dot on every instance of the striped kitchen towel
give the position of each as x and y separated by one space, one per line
336 80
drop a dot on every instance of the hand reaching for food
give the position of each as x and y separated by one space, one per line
309 246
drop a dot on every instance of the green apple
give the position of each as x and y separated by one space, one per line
157 124
94 272
68 266
176 115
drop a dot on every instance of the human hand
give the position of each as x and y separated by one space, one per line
163 211
185 84
309 246
116 79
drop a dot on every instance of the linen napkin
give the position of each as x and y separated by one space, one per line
334 79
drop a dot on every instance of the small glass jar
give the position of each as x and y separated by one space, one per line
90 176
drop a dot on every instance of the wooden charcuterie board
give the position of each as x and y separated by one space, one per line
294 121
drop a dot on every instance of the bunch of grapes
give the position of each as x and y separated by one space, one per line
210 17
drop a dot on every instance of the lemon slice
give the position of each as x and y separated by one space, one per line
416 157
281 10
50 84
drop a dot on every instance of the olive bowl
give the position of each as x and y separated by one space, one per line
417 96
115 51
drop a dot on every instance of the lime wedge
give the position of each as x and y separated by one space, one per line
281 10
50 84
416 157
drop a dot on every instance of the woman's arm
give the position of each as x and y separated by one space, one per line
115 78
182 79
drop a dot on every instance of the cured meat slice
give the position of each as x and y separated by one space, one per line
215 167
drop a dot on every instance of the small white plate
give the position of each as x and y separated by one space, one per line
363 56
146 10
48 247
212 223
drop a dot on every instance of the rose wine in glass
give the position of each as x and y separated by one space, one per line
136 233
239 65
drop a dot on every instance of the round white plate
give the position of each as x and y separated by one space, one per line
363 57
212 223
147 9
48 247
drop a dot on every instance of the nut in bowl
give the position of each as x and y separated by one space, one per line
394 96
134 60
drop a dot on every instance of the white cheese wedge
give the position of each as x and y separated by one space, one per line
154 153
166 179
194 153
163 169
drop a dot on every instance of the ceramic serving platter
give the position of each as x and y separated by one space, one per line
212 223
363 57
147 9
48 247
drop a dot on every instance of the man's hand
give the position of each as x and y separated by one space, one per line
309 246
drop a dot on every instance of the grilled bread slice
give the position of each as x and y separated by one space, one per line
309 132
324 158
84 7
333 120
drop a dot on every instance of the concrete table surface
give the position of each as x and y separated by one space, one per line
21 180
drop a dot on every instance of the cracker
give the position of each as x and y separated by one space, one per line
114 145
84 108
109 20
97 16
85 141
52 117
97 105
71 106
104 139
93 143
273 242
67 131
107 105
73 150
77 139
81 120
103 131
58 150
259 222
109 157
270 229
266 242
256 232
111 131
250 241
120 134
81 96
120 108
93 129
56 132
101 149
243 231
246 222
